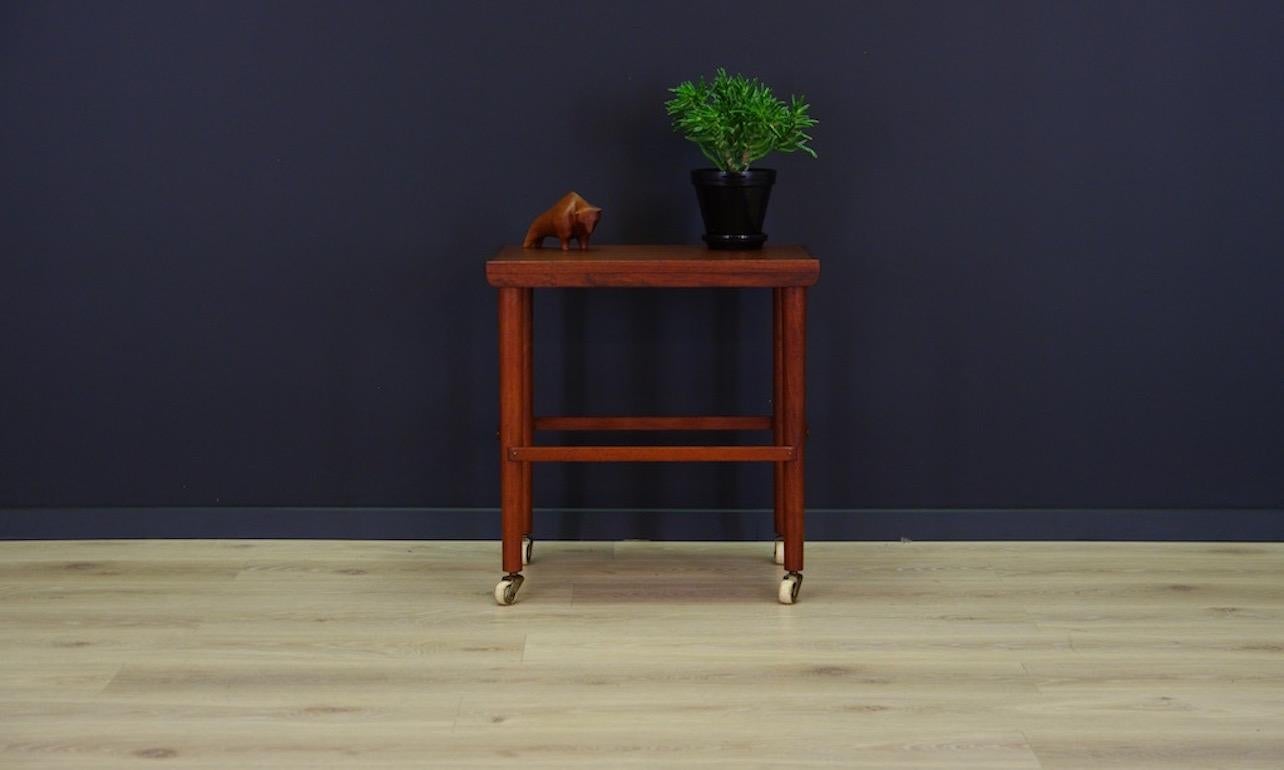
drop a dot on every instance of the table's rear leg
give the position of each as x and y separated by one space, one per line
511 329
794 321
777 426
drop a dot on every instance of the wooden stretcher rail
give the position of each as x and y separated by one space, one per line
686 454
653 423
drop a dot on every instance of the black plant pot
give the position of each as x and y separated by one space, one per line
734 206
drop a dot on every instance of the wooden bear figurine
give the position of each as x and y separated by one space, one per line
571 217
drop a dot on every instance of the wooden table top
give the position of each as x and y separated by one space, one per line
652 265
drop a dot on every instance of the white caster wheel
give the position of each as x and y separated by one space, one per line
778 556
506 589
528 548
789 588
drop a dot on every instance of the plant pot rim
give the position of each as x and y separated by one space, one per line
718 177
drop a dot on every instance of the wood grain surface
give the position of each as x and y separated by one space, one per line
679 453
660 265
324 654
734 422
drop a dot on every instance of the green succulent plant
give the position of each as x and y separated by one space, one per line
736 120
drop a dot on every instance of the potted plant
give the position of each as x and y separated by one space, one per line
736 121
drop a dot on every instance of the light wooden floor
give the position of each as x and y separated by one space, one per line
320 654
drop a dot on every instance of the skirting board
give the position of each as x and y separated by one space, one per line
1256 524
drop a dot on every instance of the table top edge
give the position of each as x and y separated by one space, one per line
645 252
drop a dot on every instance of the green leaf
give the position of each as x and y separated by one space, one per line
736 120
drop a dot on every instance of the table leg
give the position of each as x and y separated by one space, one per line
794 322
528 414
510 425
777 410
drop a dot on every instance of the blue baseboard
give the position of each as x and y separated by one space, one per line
1257 524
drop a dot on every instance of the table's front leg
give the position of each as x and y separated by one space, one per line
528 417
794 323
777 423
512 323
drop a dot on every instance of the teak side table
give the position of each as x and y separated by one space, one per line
786 270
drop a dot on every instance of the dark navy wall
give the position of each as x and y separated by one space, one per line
242 251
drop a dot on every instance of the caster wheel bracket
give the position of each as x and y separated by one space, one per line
790 585
507 588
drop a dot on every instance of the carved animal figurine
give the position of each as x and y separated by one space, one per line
571 217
